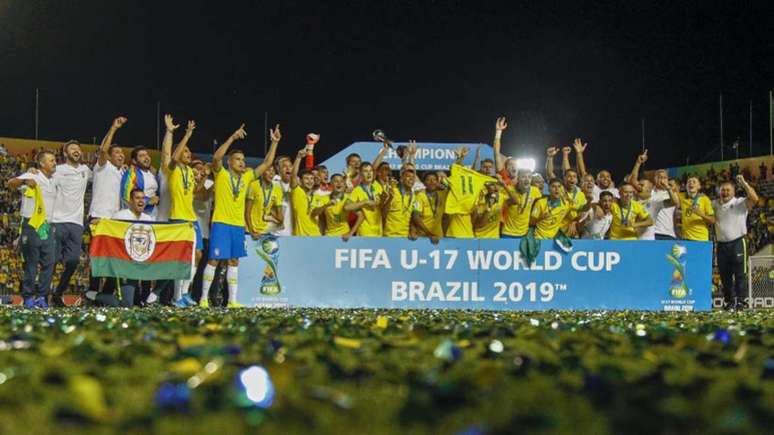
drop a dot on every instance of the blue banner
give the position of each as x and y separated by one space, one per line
476 274
435 156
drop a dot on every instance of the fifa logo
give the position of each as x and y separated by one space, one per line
268 250
678 289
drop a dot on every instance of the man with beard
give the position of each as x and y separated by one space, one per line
628 216
730 231
140 176
37 239
596 223
71 179
604 182
106 187
657 202
227 241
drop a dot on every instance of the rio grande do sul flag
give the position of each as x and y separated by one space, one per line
142 250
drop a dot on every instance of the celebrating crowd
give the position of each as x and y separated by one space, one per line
284 196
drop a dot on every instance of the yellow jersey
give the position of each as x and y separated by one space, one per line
432 205
623 218
181 183
460 226
264 199
516 219
302 204
336 222
694 227
230 195
465 186
372 224
402 206
493 217
556 210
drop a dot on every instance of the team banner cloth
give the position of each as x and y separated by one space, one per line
142 250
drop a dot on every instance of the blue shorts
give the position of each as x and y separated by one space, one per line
197 229
226 242
508 236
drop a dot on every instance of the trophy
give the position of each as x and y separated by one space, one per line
268 249
379 136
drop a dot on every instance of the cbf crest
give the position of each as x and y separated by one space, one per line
140 241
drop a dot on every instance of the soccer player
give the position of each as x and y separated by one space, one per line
596 222
37 238
465 186
384 175
696 211
487 214
263 208
730 230
336 211
227 236
71 179
402 209
106 187
518 210
303 200
284 168
181 185
548 212
432 203
628 216
369 197
569 226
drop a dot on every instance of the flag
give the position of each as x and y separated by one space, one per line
142 250
465 186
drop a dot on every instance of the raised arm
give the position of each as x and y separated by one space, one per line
269 159
550 153
380 157
579 149
166 144
634 178
178 154
296 165
410 154
476 159
108 139
566 159
752 196
461 153
500 125
217 158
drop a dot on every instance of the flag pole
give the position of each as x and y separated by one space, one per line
721 127
643 135
750 131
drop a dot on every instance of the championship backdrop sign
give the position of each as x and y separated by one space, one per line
475 274
436 156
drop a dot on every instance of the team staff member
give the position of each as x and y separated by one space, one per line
730 230
37 237
227 237
696 211
548 212
596 222
628 216
71 179
303 201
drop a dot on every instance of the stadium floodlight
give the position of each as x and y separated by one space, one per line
526 163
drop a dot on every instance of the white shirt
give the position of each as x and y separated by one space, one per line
203 209
593 228
47 188
598 190
151 188
731 218
653 206
105 190
287 217
665 219
128 215
71 185
161 211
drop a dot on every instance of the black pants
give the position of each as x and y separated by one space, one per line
69 238
36 253
128 289
732 262
664 237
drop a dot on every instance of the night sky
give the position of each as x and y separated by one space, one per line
431 71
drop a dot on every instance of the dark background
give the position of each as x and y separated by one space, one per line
427 70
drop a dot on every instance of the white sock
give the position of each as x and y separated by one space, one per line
178 293
182 286
207 276
152 298
232 275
